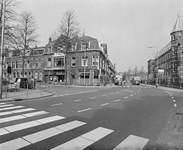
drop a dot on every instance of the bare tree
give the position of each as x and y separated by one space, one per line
68 27
135 71
26 36
10 19
129 72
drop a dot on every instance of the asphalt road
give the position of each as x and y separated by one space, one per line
97 118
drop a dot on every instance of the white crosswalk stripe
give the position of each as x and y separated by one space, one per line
9 108
79 142
85 140
132 142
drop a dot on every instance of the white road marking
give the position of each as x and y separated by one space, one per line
5 113
44 134
14 144
12 118
22 110
22 126
35 113
2 103
97 134
175 105
117 100
7 105
172 97
83 110
70 125
7 119
104 104
3 131
132 142
85 140
103 95
128 91
77 100
50 119
93 97
14 107
30 124
131 95
126 97
74 144
57 104
173 100
111 93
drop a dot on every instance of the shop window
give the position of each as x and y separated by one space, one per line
87 75
73 62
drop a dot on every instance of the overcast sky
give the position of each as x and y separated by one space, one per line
128 27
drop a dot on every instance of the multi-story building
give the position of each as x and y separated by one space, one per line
33 66
169 60
85 63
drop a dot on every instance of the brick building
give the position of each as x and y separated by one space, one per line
170 58
85 63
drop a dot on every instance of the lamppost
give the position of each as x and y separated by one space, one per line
2 48
157 61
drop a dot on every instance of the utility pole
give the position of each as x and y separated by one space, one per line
2 48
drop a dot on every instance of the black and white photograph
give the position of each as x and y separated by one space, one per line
91 75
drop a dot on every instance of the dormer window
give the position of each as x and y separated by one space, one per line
84 46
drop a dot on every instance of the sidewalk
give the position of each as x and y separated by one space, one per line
23 94
172 136
166 88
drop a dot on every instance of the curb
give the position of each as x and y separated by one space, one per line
26 98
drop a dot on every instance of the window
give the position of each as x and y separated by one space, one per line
84 46
84 61
37 64
87 75
16 65
13 64
25 65
59 62
173 51
49 62
95 60
73 62
173 66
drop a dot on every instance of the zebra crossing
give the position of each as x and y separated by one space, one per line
15 119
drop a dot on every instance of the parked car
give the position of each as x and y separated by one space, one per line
27 81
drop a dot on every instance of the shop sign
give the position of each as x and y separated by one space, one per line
58 54
160 71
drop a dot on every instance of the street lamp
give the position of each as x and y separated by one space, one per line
2 47
157 61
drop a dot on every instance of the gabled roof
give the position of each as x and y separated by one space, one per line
178 24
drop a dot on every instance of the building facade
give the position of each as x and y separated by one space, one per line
85 63
169 60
